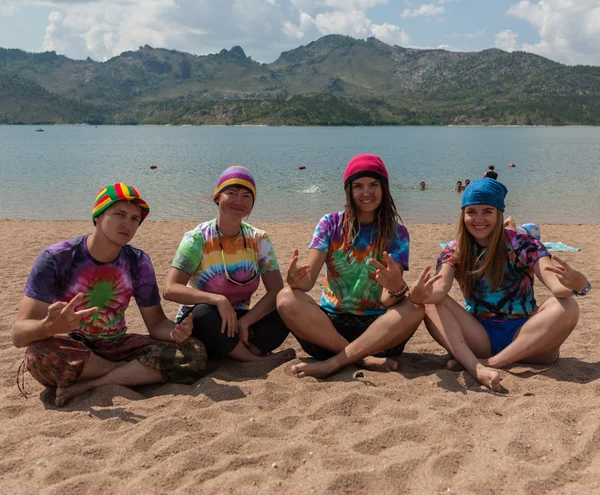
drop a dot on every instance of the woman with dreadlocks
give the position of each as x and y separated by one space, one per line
367 312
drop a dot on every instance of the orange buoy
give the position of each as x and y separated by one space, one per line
153 166
301 167
511 165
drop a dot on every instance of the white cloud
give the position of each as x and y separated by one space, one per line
569 30
105 28
425 10
350 19
390 34
444 47
476 34
506 40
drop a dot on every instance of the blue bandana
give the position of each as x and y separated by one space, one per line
485 191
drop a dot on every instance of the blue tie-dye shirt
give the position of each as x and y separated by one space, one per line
350 285
514 298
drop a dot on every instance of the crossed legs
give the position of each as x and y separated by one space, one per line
307 321
538 341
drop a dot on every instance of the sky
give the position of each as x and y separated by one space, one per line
566 31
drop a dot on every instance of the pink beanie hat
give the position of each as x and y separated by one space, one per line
365 165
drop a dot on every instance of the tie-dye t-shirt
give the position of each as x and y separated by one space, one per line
350 285
65 269
199 255
514 298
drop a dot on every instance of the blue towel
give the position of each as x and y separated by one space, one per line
558 247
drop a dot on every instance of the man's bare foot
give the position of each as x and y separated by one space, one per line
454 365
320 369
489 378
65 394
382 364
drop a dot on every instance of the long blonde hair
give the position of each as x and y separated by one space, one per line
468 272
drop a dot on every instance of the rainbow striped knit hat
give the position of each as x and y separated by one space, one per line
236 176
118 192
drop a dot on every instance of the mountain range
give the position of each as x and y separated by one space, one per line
336 80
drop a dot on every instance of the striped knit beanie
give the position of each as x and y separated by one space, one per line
236 176
118 192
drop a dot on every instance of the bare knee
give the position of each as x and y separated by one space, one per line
568 309
287 301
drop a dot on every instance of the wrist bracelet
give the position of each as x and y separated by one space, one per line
397 294
584 291
415 303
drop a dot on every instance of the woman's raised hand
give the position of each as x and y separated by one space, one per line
422 289
567 275
389 274
297 276
228 317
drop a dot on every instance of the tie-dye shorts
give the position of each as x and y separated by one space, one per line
58 361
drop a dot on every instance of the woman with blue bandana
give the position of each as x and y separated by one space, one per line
501 322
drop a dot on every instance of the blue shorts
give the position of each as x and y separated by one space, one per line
501 332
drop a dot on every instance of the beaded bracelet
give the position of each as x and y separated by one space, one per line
397 294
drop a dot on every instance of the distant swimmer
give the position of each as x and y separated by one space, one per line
458 186
490 173
422 186
467 182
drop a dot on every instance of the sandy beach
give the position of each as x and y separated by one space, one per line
248 428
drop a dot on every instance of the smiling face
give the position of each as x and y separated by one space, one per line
235 202
366 197
119 222
480 222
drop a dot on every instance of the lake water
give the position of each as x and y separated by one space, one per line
56 174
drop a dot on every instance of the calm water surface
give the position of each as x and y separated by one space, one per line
56 174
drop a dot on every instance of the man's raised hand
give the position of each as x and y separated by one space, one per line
62 317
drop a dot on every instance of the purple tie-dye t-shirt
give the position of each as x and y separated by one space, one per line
65 269
514 298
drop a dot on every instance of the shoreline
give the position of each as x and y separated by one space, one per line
84 124
257 223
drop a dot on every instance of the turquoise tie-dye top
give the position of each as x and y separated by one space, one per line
350 285
515 297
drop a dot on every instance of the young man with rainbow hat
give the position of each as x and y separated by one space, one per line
72 319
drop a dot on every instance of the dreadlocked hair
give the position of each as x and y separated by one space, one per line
386 217
466 259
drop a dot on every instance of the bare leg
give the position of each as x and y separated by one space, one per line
130 374
539 339
390 329
464 338
303 316
243 353
97 366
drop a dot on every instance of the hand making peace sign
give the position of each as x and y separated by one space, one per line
296 276
567 275
423 287
389 274
62 316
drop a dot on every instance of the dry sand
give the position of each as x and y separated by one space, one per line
246 428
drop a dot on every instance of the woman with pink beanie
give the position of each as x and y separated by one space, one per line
367 311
